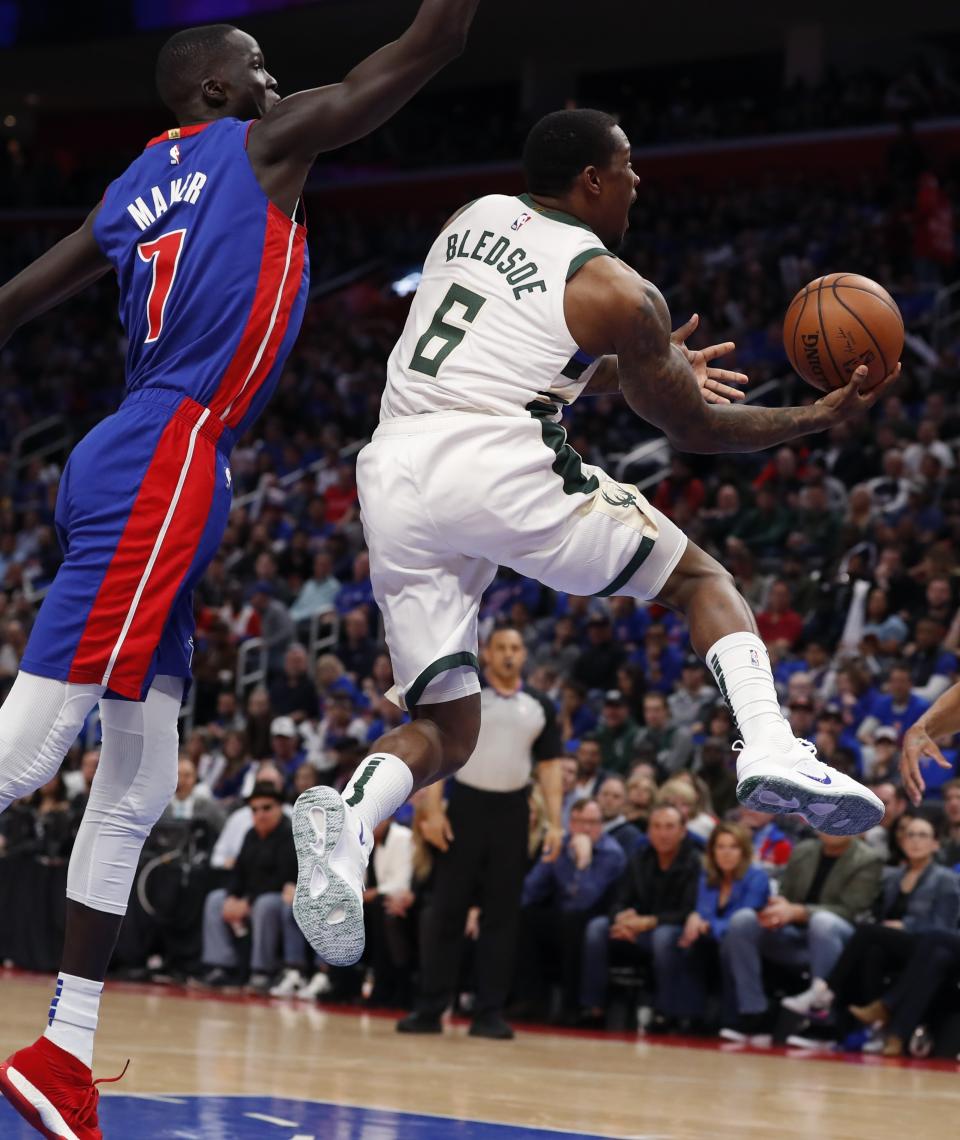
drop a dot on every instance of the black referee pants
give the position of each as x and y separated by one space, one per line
484 866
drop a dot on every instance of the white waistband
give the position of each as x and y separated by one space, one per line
440 421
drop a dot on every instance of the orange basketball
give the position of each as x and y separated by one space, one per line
838 322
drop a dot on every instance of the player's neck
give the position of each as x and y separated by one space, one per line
548 205
506 685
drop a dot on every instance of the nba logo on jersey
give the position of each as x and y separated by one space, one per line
175 155
754 658
521 221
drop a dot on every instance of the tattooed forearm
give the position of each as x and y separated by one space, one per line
605 380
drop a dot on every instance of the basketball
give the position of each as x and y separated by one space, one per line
838 322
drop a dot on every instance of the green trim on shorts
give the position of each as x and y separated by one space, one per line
639 557
441 665
568 464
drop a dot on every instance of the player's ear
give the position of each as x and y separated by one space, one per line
214 93
591 180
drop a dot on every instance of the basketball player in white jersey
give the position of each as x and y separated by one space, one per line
522 308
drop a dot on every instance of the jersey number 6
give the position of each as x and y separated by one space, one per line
450 335
164 253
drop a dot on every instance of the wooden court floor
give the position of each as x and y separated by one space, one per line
182 1044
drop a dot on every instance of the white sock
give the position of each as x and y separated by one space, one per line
74 1013
379 786
740 664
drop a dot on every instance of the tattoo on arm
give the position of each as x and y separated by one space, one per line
660 385
605 380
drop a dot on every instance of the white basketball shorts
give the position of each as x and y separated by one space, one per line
447 498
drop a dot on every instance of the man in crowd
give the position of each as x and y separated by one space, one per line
829 882
591 771
293 693
559 899
686 703
318 594
646 919
672 744
258 898
612 798
617 733
192 801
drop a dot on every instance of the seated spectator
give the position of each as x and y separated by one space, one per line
920 896
590 771
42 825
559 899
192 801
612 798
765 527
950 833
898 708
387 902
654 896
258 898
778 623
683 794
895 801
715 766
78 784
223 772
359 590
340 720
672 744
259 718
273 624
686 703
305 777
597 666
562 653
641 793
357 649
576 717
572 794
932 668
828 883
802 718
729 881
881 757
318 594
293 693
239 822
660 662
332 679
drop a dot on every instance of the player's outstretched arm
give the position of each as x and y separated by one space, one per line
919 742
659 379
71 265
324 118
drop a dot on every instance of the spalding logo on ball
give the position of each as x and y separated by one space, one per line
839 322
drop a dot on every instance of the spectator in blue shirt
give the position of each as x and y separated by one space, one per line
559 898
932 668
358 591
898 708
730 881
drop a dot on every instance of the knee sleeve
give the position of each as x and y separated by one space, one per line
39 721
135 780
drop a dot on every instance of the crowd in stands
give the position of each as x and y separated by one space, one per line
845 545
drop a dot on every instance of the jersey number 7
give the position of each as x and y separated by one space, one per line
164 253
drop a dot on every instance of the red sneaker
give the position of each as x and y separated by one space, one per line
52 1091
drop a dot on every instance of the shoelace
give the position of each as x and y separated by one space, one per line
87 1111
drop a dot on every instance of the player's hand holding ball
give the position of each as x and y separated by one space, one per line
844 334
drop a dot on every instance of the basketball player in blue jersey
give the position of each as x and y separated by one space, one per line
202 231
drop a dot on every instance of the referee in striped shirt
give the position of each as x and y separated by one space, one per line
481 843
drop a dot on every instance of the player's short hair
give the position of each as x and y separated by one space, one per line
564 143
185 57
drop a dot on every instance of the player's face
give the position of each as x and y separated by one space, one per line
619 192
253 88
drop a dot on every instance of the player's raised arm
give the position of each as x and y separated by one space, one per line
662 383
324 118
73 263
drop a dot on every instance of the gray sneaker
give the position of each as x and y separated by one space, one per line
333 851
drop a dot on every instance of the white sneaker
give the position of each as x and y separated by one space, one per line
787 777
333 849
816 1000
288 985
811 1044
756 1040
318 986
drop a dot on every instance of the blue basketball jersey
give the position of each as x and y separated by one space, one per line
213 276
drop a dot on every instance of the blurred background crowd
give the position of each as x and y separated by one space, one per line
845 545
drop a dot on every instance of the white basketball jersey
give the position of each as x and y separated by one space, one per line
486 332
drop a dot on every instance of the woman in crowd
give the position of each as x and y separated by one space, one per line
684 794
641 793
919 897
730 881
